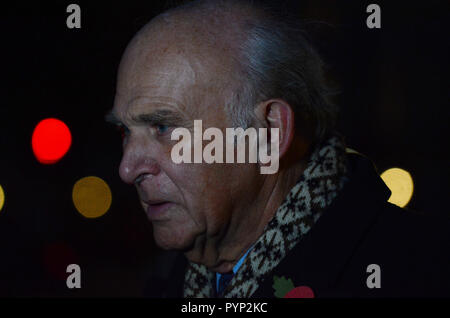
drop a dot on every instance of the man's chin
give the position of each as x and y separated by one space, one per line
167 240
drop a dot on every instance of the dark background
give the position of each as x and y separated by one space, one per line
394 108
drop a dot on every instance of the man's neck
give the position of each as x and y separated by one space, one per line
274 190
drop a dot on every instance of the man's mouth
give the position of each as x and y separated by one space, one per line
156 210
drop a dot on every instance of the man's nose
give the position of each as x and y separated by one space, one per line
137 160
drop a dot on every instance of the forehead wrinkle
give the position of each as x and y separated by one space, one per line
144 104
163 100
175 78
161 75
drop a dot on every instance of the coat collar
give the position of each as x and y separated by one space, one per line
320 258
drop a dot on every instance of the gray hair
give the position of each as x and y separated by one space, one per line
276 60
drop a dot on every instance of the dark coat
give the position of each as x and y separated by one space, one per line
359 228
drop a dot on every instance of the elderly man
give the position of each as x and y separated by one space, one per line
319 226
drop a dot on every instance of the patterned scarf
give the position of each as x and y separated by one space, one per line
319 184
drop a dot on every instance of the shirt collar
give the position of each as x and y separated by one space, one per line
235 267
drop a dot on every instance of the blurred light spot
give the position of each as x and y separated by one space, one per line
91 197
400 183
2 197
350 150
51 140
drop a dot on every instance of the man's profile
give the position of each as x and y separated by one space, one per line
319 222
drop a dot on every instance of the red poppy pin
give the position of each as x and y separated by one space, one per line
284 288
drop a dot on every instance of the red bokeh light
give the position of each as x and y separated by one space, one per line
51 140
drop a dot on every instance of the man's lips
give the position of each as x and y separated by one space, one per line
154 202
156 209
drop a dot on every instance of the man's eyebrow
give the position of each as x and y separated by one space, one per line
159 117
111 118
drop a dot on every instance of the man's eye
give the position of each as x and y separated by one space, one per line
162 129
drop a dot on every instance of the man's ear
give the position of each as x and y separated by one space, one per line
276 113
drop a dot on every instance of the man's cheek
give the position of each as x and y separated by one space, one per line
167 150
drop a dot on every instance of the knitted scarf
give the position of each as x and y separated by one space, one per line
319 184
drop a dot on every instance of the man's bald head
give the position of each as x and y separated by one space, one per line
259 52
201 42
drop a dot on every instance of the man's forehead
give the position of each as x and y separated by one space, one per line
158 69
128 110
174 83
179 86
179 74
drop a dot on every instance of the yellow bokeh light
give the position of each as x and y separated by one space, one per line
400 183
91 197
2 197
